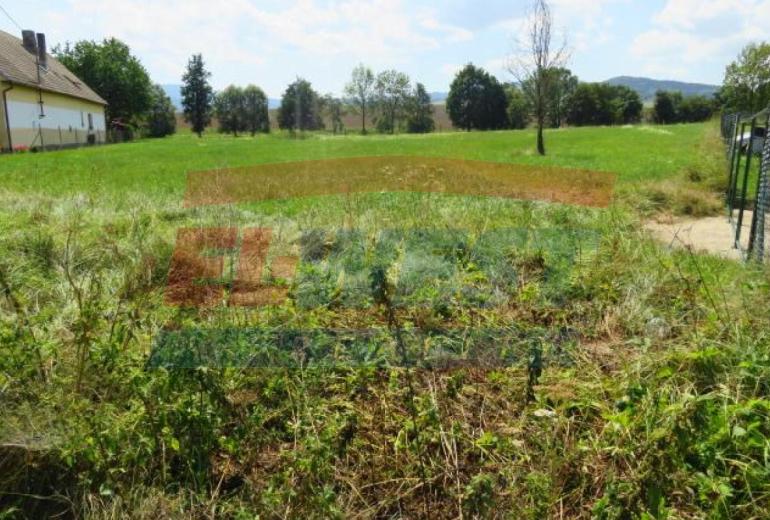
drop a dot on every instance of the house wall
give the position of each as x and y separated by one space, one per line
65 121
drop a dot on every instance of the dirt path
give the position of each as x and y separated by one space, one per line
713 235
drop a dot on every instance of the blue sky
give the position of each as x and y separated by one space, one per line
270 42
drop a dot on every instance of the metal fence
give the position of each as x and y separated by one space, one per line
748 189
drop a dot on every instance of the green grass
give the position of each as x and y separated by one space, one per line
635 383
157 168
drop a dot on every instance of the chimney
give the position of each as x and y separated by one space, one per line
29 42
42 51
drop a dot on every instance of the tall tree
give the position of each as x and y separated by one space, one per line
584 106
532 68
666 109
197 95
476 100
420 112
334 110
518 108
230 109
161 118
114 73
628 105
360 91
300 107
392 90
256 116
747 80
562 84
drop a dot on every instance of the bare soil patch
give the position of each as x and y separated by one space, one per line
714 235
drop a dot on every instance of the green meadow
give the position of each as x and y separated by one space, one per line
158 167
425 355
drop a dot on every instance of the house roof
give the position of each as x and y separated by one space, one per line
18 65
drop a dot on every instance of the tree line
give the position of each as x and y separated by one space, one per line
388 99
672 107
550 97
478 101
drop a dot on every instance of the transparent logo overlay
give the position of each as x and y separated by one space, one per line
405 294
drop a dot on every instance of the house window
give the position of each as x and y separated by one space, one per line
90 121
82 121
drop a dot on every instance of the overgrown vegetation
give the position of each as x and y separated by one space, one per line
636 381
672 107
698 189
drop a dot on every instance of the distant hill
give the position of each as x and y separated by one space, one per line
647 87
175 93
438 97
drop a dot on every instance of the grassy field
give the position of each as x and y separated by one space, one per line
158 168
417 354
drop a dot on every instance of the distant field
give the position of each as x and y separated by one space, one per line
157 168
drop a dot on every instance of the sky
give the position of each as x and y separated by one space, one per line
271 42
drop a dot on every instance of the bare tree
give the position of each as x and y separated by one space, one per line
535 59
360 90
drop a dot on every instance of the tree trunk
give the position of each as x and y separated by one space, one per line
540 141
363 118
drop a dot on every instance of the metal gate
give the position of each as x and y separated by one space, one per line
748 189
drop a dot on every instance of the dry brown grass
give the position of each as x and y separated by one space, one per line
399 174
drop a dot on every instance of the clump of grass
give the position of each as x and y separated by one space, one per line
679 198
697 191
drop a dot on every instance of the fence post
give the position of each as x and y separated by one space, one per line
762 206
735 167
733 136
745 186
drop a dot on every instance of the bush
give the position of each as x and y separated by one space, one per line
300 108
477 101
518 108
420 112
161 120
672 107
603 104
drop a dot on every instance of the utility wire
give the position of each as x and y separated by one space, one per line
10 17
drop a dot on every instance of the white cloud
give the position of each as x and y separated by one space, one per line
453 33
686 13
512 26
689 33
498 67
451 69
165 33
582 24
